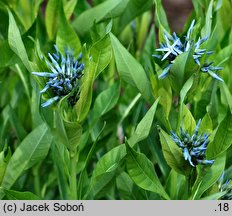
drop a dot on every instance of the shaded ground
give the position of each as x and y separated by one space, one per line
177 12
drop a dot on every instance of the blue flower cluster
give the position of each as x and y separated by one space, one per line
225 186
173 47
63 77
193 147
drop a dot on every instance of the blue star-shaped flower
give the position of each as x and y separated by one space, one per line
63 77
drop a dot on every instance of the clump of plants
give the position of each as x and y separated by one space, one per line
102 100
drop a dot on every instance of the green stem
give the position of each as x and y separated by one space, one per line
190 179
35 171
72 178
188 186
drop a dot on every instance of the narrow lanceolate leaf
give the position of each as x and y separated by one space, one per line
101 52
161 20
32 150
68 132
106 100
16 43
106 169
183 93
206 31
181 71
69 8
83 104
16 195
173 154
206 124
107 9
52 17
187 120
161 16
222 139
134 8
207 179
223 55
185 90
226 96
141 171
66 36
130 70
143 129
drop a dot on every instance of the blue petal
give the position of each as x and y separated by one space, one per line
79 57
187 156
44 89
205 162
44 74
157 56
165 72
203 39
215 76
51 67
190 30
55 63
197 127
50 101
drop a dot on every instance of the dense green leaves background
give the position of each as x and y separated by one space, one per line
119 130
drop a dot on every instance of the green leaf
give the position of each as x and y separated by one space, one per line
173 154
161 16
143 129
24 77
125 186
206 178
187 86
222 139
141 170
32 150
7 54
129 108
161 21
68 131
181 70
213 104
188 122
16 43
83 104
178 180
225 9
52 17
69 8
223 55
226 95
17 195
183 112
133 9
16 124
145 31
206 124
105 101
108 164
206 30
74 132
101 52
105 169
66 36
107 9
130 70
215 196
166 99
61 169
5 156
